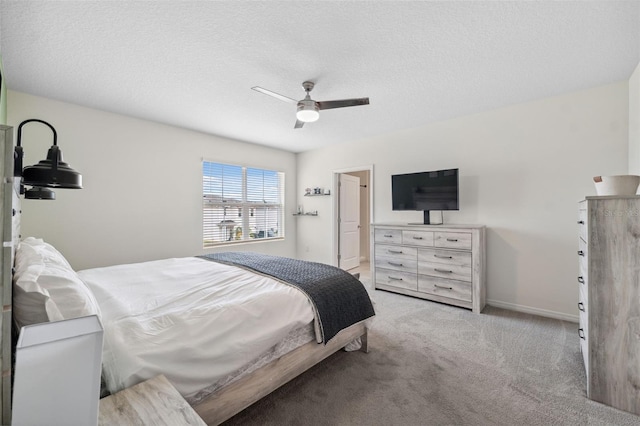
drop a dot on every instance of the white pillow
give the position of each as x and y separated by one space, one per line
46 287
31 303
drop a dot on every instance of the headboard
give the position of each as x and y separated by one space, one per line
10 213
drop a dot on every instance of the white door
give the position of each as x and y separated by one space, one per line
349 222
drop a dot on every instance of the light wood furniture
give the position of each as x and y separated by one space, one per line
153 402
443 263
609 299
240 394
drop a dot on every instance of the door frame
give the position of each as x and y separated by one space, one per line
335 206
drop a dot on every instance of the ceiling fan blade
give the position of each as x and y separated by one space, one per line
299 124
342 103
274 94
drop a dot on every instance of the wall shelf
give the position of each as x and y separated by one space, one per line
317 195
305 214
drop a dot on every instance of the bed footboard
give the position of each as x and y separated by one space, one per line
230 400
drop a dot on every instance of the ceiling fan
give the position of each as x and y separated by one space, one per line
308 109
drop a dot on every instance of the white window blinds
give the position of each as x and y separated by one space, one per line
241 204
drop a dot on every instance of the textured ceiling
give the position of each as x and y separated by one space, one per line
192 63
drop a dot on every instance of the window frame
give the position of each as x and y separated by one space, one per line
246 209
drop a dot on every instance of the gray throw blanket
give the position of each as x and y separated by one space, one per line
339 299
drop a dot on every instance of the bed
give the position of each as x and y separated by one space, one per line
225 329
286 328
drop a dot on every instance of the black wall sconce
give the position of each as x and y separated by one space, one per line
50 173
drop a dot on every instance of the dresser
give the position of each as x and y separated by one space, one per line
609 299
435 262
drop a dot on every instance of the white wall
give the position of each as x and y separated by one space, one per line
142 196
523 169
634 122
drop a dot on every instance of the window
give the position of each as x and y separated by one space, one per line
241 204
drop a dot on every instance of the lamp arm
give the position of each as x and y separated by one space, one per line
55 134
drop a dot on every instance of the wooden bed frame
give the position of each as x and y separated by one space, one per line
237 396
216 407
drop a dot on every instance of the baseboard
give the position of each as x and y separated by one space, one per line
535 311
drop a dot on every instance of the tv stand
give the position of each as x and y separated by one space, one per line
427 218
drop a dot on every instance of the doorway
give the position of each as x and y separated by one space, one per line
342 221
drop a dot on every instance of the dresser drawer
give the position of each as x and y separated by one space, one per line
445 257
456 240
453 272
584 348
404 265
582 224
442 287
418 238
398 279
582 259
392 236
583 295
395 252
583 323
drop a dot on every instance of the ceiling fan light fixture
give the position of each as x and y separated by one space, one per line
308 111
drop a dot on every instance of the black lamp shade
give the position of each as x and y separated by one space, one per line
39 193
52 172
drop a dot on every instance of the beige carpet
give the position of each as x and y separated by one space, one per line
432 364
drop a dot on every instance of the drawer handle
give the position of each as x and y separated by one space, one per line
443 257
581 307
417 238
581 222
395 251
395 279
453 240
581 280
443 270
395 264
581 333
388 236
443 287
580 253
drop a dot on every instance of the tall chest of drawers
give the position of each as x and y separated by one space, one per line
435 262
609 299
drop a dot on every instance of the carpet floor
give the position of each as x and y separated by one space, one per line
433 364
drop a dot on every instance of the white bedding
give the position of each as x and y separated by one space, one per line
193 320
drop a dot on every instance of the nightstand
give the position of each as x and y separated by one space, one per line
154 402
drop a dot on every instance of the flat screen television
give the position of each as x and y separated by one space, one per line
434 190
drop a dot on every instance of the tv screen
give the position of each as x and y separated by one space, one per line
435 190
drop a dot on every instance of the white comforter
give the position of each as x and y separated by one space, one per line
193 320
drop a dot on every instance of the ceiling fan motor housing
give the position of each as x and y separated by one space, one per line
308 111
